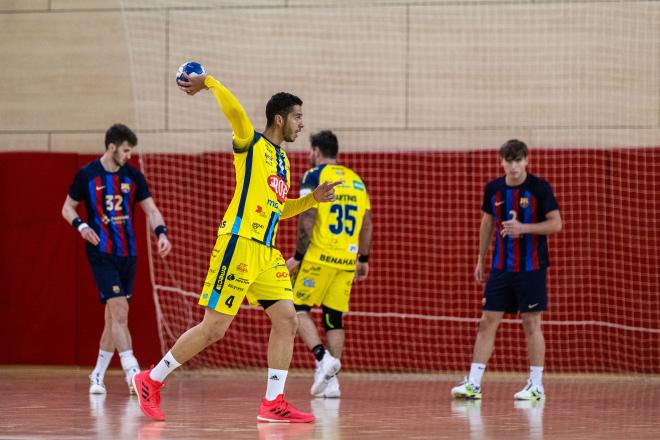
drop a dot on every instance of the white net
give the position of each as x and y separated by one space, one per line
420 96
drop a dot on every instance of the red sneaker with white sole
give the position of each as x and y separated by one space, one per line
148 394
281 411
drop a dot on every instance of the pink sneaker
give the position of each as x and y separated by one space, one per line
281 411
148 393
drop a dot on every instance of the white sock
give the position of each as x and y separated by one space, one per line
535 376
166 365
102 363
476 373
129 363
276 380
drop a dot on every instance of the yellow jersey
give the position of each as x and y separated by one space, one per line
262 177
336 233
262 185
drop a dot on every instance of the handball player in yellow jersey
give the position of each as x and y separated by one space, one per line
332 250
244 261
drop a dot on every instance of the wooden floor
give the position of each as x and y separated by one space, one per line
52 403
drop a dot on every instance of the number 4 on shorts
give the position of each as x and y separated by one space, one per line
229 301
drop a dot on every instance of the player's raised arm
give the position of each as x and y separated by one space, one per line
230 106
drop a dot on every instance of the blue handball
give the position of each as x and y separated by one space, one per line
191 68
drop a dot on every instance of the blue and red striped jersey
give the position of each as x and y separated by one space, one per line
529 202
110 202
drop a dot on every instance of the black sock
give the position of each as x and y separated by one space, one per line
318 352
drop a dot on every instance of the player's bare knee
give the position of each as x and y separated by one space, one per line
215 334
531 323
286 323
119 312
488 323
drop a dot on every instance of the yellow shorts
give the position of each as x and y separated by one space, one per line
242 267
318 284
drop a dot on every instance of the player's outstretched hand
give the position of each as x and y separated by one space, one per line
164 245
89 235
325 192
193 84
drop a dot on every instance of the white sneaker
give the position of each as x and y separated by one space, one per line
96 385
530 392
129 381
332 389
326 369
466 390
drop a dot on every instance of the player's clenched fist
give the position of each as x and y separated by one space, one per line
325 192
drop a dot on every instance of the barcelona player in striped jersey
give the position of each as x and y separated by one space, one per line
244 262
522 210
332 250
110 187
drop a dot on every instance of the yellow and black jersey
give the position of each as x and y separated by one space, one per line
335 237
262 177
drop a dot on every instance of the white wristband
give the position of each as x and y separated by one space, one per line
82 226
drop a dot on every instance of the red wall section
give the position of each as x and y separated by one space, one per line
604 284
49 307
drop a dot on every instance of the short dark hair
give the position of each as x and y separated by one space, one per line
118 134
280 104
513 149
326 142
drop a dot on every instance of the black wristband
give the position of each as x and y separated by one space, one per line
363 258
299 256
160 229
76 222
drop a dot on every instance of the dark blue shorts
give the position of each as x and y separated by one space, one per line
114 275
513 292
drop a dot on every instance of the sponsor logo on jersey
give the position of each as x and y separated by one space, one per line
221 277
273 204
358 185
232 277
279 187
345 198
283 274
334 260
353 248
242 268
308 282
125 187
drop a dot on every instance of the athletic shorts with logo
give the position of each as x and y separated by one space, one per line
513 292
114 275
241 268
318 284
